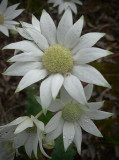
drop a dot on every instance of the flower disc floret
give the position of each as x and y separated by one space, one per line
71 112
1 19
57 59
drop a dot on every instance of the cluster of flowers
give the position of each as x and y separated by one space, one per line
58 56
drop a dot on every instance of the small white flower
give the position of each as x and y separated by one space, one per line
64 4
71 117
60 56
25 131
7 15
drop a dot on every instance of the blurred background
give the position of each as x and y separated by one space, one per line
100 16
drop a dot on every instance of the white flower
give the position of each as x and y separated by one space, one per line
64 4
60 56
25 131
7 15
71 117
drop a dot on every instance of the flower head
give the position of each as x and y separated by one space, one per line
59 56
64 4
7 15
25 131
71 117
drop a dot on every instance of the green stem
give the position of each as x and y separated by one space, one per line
39 114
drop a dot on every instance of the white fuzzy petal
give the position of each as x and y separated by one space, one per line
26 57
23 33
78 137
21 68
39 39
22 126
20 139
53 123
98 115
88 55
14 14
73 7
89 126
89 74
48 28
45 93
31 77
64 25
10 9
65 97
88 40
16 121
25 46
75 88
95 105
72 36
54 134
55 105
57 82
88 91
3 6
30 144
4 30
36 23
68 134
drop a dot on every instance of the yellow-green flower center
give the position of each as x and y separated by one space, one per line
71 112
57 59
1 19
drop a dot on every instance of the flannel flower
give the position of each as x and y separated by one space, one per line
59 56
7 15
64 4
24 131
71 117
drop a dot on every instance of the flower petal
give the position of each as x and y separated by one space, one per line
89 126
89 74
78 137
98 115
54 134
14 14
24 125
65 97
68 134
10 9
21 68
87 55
87 41
72 36
73 7
45 93
23 33
95 105
36 23
16 121
75 89
55 105
64 25
25 57
39 39
31 77
57 82
88 91
25 46
3 5
48 28
4 30
29 144
53 123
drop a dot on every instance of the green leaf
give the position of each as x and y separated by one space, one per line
59 153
